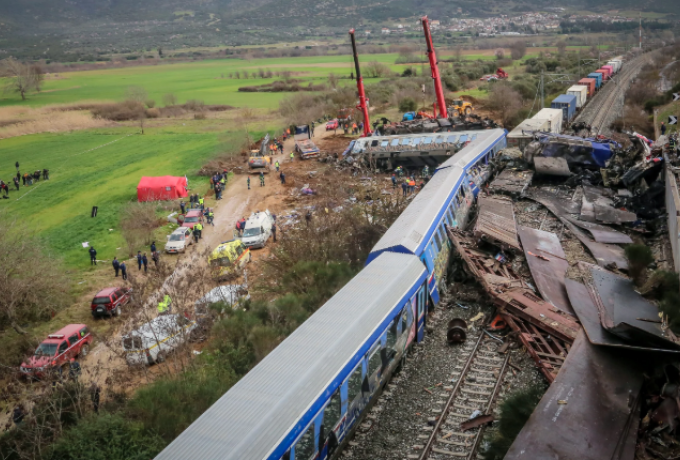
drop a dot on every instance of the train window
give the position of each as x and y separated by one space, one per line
374 143
439 140
449 218
404 319
374 362
286 456
427 140
332 412
392 334
304 449
354 384
473 137
384 143
451 139
416 141
463 138
435 248
406 141
394 142
438 239
442 235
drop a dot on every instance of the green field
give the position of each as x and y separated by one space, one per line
95 168
202 80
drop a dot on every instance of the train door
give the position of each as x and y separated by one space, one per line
421 314
331 426
357 398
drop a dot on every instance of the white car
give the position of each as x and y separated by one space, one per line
178 240
153 341
258 229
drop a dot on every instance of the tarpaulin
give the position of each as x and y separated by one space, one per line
161 188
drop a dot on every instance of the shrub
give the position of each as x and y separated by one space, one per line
194 104
123 111
199 116
106 437
515 411
153 113
639 257
376 69
150 103
407 105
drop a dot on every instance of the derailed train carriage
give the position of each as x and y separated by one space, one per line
305 399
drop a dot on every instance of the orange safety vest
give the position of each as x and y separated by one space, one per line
412 183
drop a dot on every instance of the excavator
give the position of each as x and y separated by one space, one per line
260 160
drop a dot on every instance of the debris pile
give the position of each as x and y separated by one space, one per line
547 246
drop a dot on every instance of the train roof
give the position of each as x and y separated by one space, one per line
283 390
414 226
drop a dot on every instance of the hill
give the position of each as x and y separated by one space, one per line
50 28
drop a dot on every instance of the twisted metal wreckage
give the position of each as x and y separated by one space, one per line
589 330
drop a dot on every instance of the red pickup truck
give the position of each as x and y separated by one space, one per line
56 350
108 302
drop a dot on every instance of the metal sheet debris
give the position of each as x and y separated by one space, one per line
496 222
588 315
606 255
552 166
480 420
513 182
599 389
626 313
548 264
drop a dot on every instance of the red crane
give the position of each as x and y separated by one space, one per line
363 101
438 89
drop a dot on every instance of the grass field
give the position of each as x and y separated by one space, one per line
95 168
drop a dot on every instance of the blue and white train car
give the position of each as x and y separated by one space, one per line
306 397
445 200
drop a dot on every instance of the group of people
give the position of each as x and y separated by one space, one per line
218 182
26 179
119 266
276 146
408 184
195 202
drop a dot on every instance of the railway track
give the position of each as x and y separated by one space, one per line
598 114
476 387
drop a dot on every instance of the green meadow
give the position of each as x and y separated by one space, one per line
94 168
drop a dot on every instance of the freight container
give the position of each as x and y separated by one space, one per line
610 68
581 93
566 102
597 77
554 116
521 136
604 72
590 83
615 64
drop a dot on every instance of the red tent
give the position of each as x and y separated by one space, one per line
161 188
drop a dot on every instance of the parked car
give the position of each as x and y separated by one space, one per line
55 352
229 258
258 229
153 341
230 295
332 125
178 240
109 301
192 218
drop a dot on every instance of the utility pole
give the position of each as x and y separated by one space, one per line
641 31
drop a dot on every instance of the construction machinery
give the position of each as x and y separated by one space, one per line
461 108
260 159
432 57
363 100
304 146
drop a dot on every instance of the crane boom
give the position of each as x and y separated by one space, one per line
438 89
363 102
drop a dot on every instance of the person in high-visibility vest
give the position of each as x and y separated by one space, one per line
198 229
292 156
200 202
164 305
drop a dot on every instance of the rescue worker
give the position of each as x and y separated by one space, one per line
182 206
412 184
282 176
155 257
277 165
663 128
426 171
116 265
123 270
248 182
145 262
200 202
308 217
165 305
139 260
198 228
292 157
261 179
46 174
153 247
403 188
93 256
274 231
211 217
18 414
74 369
16 183
394 181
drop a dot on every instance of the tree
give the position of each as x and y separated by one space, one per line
561 47
160 52
407 105
518 49
31 281
505 102
137 94
499 53
19 77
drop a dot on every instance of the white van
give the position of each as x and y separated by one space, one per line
178 240
153 341
258 229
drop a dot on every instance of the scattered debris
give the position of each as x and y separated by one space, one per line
512 182
496 222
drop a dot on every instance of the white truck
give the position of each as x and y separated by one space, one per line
153 341
258 229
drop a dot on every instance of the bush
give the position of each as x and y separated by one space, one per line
639 257
376 69
407 105
515 411
106 437
153 113
199 116
150 103
123 111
